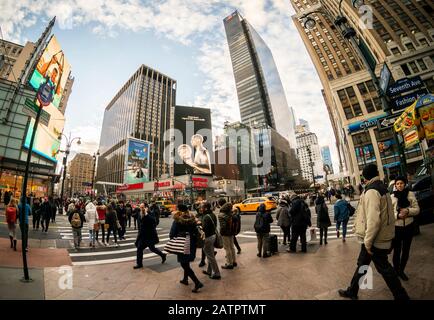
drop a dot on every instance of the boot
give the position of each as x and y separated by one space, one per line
15 245
12 243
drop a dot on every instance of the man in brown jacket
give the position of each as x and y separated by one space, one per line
375 229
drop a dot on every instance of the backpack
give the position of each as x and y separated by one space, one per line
76 220
11 215
235 226
351 209
259 223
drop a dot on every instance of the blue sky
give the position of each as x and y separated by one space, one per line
106 42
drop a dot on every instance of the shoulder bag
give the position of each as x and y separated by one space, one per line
218 243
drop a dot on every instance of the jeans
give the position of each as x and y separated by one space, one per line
142 247
47 223
298 231
208 248
383 267
92 236
129 221
263 243
101 227
402 243
123 229
76 232
115 231
286 233
344 227
228 245
188 272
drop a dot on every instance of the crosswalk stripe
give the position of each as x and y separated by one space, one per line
115 260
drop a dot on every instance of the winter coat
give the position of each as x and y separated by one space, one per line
28 212
322 214
413 210
36 209
46 210
375 221
121 214
300 213
102 211
147 235
183 223
111 219
91 215
266 218
225 220
341 211
209 223
283 218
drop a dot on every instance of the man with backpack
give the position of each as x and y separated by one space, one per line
301 219
76 219
262 228
227 233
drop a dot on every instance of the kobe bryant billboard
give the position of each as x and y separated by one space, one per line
49 76
137 161
193 153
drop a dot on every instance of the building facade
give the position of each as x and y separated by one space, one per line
260 92
9 53
327 158
143 109
309 156
81 171
401 37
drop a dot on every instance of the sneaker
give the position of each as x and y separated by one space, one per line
345 294
184 282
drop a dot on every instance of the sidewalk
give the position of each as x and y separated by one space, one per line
315 275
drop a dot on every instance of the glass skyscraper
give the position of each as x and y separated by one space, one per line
260 92
142 109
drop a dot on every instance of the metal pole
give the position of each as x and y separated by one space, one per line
65 159
23 226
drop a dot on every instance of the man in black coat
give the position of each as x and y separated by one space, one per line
46 213
301 219
121 212
147 237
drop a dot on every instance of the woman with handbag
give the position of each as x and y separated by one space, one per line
405 207
92 221
185 227
112 221
209 223
101 209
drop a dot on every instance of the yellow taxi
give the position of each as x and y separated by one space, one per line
252 204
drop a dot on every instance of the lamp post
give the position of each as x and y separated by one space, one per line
95 155
69 142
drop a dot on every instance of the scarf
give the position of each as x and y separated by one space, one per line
402 197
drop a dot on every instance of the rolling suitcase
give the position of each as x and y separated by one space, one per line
273 244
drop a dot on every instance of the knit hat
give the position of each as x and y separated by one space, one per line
370 171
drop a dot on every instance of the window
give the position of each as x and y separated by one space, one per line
414 67
362 88
348 112
406 70
421 64
357 110
369 106
410 46
370 86
395 51
423 42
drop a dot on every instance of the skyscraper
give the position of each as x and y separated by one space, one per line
309 156
327 157
402 37
81 173
143 109
260 92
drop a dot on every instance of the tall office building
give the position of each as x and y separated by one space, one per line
66 93
81 171
327 157
260 92
309 156
142 109
304 124
402 37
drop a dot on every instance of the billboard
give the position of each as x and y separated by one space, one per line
52 71
193 151
137 161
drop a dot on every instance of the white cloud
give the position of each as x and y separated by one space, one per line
199 22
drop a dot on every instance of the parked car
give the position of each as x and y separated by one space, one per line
252 204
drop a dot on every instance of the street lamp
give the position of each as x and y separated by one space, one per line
69 142
95 155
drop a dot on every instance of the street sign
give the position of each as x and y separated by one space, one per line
31 109
405 85
406 100
384 77
386 123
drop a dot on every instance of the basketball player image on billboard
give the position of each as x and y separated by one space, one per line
201 162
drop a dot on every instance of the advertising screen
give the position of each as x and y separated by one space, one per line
193 151
53 68
137 161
